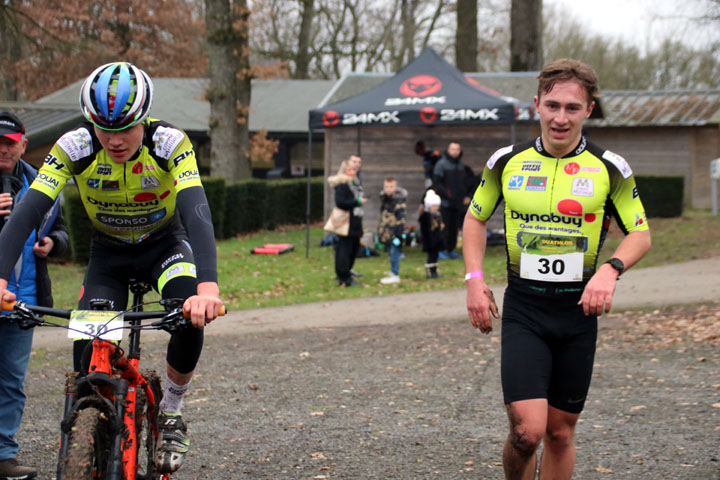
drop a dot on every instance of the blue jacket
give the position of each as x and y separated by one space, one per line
30 280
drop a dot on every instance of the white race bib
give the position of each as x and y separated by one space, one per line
89 324
566 267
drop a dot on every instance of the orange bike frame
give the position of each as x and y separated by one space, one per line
109 359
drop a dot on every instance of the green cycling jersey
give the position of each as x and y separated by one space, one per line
557 210
127 202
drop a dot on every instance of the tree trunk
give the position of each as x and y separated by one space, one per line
526 35
466 36
228 116
302 60
10 53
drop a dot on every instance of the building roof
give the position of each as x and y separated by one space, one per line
44 123
276 105
666 108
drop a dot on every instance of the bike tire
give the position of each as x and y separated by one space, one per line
144 435
89 446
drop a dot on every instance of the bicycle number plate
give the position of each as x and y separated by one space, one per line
90 324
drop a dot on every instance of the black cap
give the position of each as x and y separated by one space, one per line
11 126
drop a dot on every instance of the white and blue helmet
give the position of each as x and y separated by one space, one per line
116 96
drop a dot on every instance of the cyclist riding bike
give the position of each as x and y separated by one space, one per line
140 186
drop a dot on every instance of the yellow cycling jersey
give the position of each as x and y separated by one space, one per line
127 202
558 210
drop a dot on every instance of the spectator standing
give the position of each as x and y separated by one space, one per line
432 231
348 196
29 282
393 207
450 182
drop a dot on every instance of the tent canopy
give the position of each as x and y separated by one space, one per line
427 91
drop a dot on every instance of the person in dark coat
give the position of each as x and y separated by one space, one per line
348 196
450 183
30 283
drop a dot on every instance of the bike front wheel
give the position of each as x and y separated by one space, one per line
89 446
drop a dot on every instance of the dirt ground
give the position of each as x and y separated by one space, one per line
402 387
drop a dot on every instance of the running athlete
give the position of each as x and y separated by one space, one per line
560 192
139 183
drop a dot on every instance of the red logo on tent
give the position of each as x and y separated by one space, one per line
331 118
420 86
428 114
572 168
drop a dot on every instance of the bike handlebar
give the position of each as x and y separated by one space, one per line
170 320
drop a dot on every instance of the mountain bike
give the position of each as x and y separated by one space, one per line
108 429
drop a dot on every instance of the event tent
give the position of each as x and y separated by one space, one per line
427 91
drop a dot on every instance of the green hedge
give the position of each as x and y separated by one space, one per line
237 207
261 204
662 196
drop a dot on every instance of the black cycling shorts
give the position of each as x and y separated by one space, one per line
548 349
167 264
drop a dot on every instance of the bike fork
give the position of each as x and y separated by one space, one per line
115 463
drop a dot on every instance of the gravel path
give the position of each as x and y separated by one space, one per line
340 390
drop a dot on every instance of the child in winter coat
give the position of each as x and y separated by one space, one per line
393 204
432 230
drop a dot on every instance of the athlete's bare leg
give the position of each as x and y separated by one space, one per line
558 458
528 423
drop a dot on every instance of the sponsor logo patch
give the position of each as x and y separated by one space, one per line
516 182
77 144
93 182
583 187
148 183
531 166
53 161
572 168
537 184
619 162
166 140
104 169
110 185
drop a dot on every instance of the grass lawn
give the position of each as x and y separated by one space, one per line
251 281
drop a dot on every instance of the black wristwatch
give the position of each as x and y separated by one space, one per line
617 264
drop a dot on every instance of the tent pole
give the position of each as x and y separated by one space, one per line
308 203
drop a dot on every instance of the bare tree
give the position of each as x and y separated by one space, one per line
526 35
466 36
49 44
302 59
358 35
669 65
229 89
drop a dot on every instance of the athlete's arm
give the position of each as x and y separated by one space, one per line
27 215
480 302
598 293
195 214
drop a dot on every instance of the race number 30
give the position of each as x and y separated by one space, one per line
567 267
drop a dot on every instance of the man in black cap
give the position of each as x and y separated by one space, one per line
30 282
